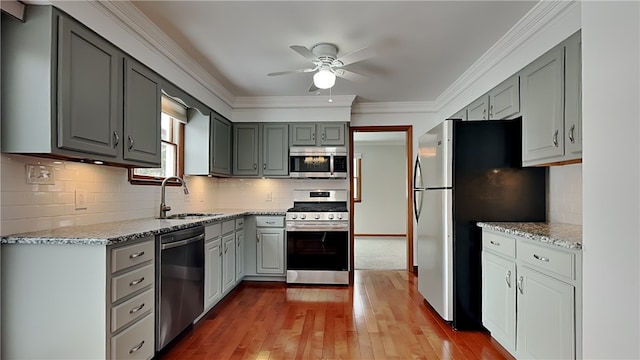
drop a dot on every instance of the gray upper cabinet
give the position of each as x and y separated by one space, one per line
88 107
317 134
479 109
245 149
69 99
141 113
275 149
573 97
221 137
542 108
504 99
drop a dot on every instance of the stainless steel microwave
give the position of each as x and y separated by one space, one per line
318 162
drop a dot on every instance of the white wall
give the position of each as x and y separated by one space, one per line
27 207
565 194
611 169
384 190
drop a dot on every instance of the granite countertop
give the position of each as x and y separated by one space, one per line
121 231
564 235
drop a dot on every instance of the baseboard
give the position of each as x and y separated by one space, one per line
380 235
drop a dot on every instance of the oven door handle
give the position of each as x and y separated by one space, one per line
317 227
182 242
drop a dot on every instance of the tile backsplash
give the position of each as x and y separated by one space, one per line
565 194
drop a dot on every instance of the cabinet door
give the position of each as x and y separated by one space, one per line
573 99
303 134
212 272
239 255
245 149
462 115
270 251
331 134
478 109
88 99
546 318
221 146
504 99
275 149
499 298
141 113
542 103
228 262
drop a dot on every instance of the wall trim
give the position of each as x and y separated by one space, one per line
380 235
292 102
400 107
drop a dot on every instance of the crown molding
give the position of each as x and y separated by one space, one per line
149 34
542 15
292 102
400 107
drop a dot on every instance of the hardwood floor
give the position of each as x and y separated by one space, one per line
381 317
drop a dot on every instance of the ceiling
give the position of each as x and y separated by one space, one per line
422 47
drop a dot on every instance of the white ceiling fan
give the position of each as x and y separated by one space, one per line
328 65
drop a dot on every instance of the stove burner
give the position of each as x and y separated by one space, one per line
318 207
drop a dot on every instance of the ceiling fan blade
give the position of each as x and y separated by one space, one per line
305 52
291 72
313 87
350 75
357 55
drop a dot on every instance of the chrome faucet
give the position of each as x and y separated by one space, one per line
163 206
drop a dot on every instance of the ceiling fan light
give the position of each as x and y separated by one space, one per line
324 79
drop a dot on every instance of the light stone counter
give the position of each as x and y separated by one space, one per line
563 235
121 231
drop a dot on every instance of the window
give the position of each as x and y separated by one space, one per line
172 147
357 178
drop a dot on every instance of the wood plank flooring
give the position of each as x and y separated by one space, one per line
381 317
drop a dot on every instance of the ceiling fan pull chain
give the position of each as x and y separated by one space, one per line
330 99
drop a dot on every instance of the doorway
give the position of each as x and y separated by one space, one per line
381 201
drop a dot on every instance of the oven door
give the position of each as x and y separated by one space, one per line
323 250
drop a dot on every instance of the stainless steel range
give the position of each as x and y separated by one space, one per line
318 237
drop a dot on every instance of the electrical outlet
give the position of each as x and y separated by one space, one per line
81 199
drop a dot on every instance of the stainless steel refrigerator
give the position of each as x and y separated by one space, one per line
468 171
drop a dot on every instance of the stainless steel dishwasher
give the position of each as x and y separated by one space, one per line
179 282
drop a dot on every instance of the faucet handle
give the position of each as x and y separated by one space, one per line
166 208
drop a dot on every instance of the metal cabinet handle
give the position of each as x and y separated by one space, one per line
270 222
138 254
313 136
494 243
491 112
258 237
135 310
322 136
116 137
264 166
255 166
571 135
519 284
136 348
130 142
484 114
555 139
226 248
136 282
541 258
508 279
220 251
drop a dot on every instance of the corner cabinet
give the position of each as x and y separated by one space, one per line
551 106
317 134
207 144
530 296
261 149
81 97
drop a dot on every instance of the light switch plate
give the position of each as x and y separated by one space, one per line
81 199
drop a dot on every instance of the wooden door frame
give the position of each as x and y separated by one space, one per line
408 130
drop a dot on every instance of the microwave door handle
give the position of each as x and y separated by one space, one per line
331 168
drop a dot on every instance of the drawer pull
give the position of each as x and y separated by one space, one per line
494 243
136 348
270 222
136 282
508 279
135 310
541 258
138 254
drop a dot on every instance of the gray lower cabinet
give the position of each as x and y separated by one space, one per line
228 256
317 134
260 149
212 265
79 97
270 253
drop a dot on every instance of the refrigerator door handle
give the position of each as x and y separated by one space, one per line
417 207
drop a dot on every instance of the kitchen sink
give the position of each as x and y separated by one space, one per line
191 216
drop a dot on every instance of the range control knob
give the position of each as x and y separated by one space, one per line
294 216
330 216
339 216
303 216
317 216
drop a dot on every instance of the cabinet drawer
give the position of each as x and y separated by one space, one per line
212 231
127 256
136 342
556 261
131 310
131 282
498 243
228 226
270 221
239 223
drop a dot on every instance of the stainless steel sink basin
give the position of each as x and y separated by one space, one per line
191 216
